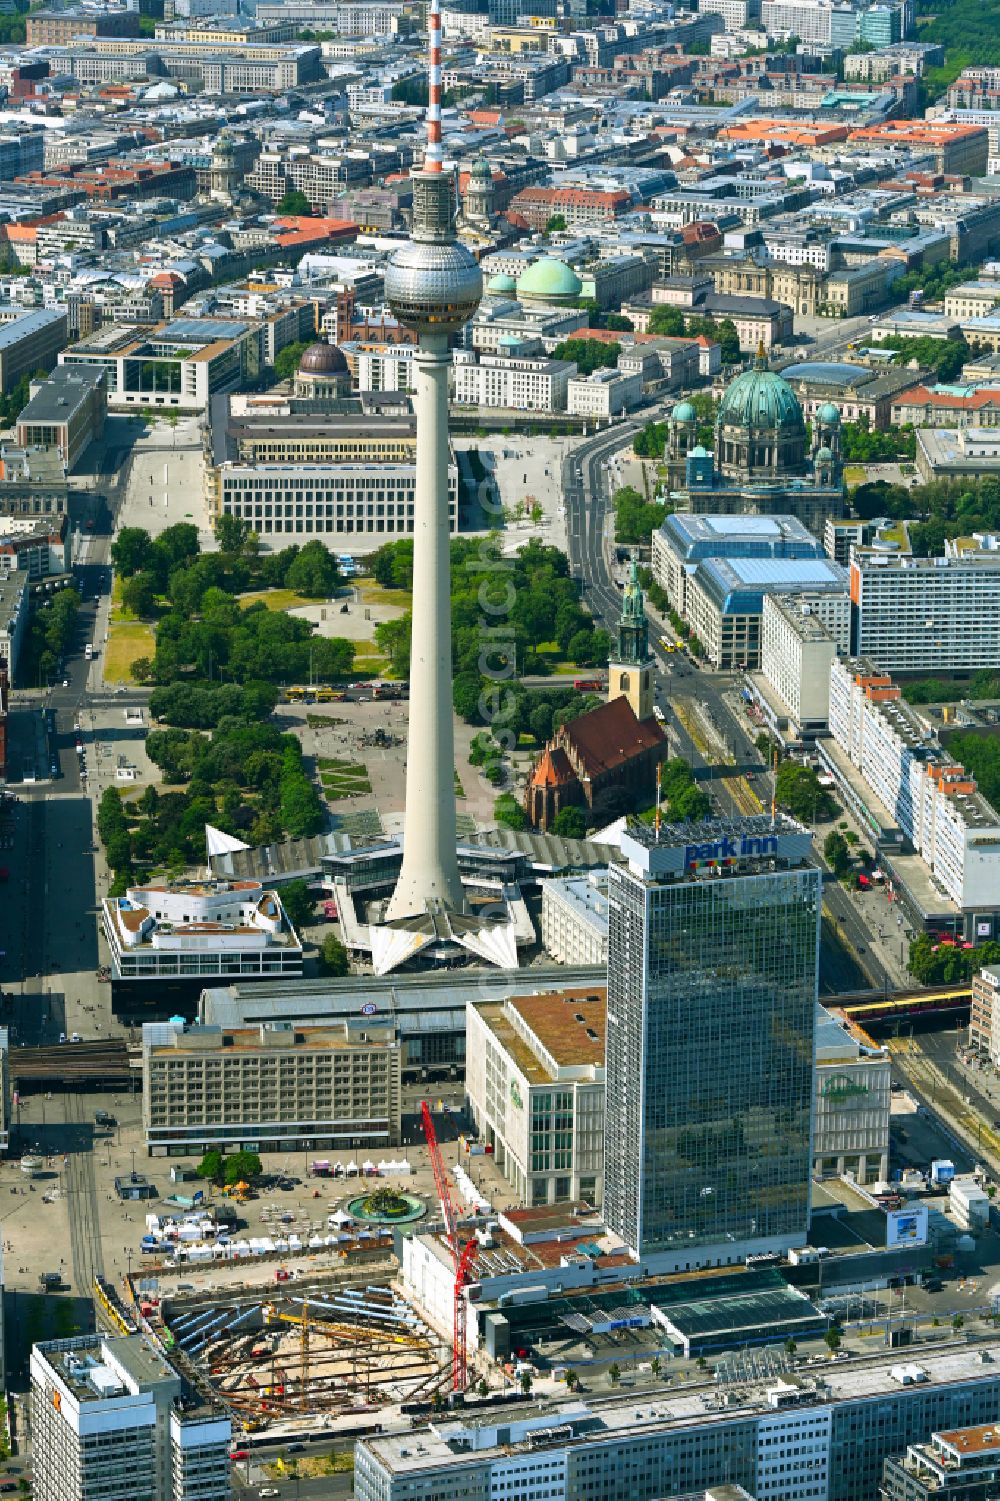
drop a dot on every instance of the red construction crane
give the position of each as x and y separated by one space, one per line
462 1257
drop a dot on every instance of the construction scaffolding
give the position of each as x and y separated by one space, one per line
335 1350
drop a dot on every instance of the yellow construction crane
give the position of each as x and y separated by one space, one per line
349 1332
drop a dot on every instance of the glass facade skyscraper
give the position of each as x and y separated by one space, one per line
713 956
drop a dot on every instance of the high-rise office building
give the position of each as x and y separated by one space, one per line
713 953
112 1421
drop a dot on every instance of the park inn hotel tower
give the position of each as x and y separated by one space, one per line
713 955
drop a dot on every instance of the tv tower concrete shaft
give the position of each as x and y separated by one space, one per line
434 285
430 864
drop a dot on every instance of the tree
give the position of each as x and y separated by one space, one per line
556 222
131 551
618 323
211 1167
614 1373
286 361
526 1382
314 572
958 1322
726 337
588 354
241 1167
483 1389
635 518
231 532
295 204
508 811
334 958
798 789
569 823
656 1365
298 903
790 1346
572 1380
832 1338
837 854
667 320
138 595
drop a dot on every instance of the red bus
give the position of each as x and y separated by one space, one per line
588 685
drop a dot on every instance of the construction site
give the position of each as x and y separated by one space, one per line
326 1349
312 1347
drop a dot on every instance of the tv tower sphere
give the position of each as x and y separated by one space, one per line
433 287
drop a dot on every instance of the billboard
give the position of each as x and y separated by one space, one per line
906 1227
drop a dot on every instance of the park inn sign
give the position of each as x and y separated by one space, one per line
729 851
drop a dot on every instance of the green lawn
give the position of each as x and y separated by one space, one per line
276 599
127 640
343 778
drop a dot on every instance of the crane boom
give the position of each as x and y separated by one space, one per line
441 1183
462 1258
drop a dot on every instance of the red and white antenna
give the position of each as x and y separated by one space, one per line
433 159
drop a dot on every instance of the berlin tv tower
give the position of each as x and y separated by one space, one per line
434 285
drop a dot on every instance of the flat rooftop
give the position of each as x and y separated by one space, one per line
856 1380
569 1027
66 389
78 1361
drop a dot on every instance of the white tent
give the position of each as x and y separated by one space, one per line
219 843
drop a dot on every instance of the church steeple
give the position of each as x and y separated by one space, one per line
630 670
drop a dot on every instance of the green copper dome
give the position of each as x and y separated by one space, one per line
500 284
760 400
684 412
828 415
549 280
824 455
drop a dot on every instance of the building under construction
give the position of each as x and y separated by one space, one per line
324 1348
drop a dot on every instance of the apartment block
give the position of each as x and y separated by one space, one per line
534 1081
927 615
984 1021
277 1086
112 1419
13 619
783 1440
801 635
960 1465
930 800
39 549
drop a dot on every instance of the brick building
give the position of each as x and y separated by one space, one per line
603 761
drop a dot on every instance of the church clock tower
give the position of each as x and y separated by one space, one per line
630 670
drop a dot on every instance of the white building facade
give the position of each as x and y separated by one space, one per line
214 928
575 919
800 638
534 1080
513 383
933 801
927 614
284 501
108 1423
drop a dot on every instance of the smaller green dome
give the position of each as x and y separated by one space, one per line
824 455
549 280
828 415
501 283
684 412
